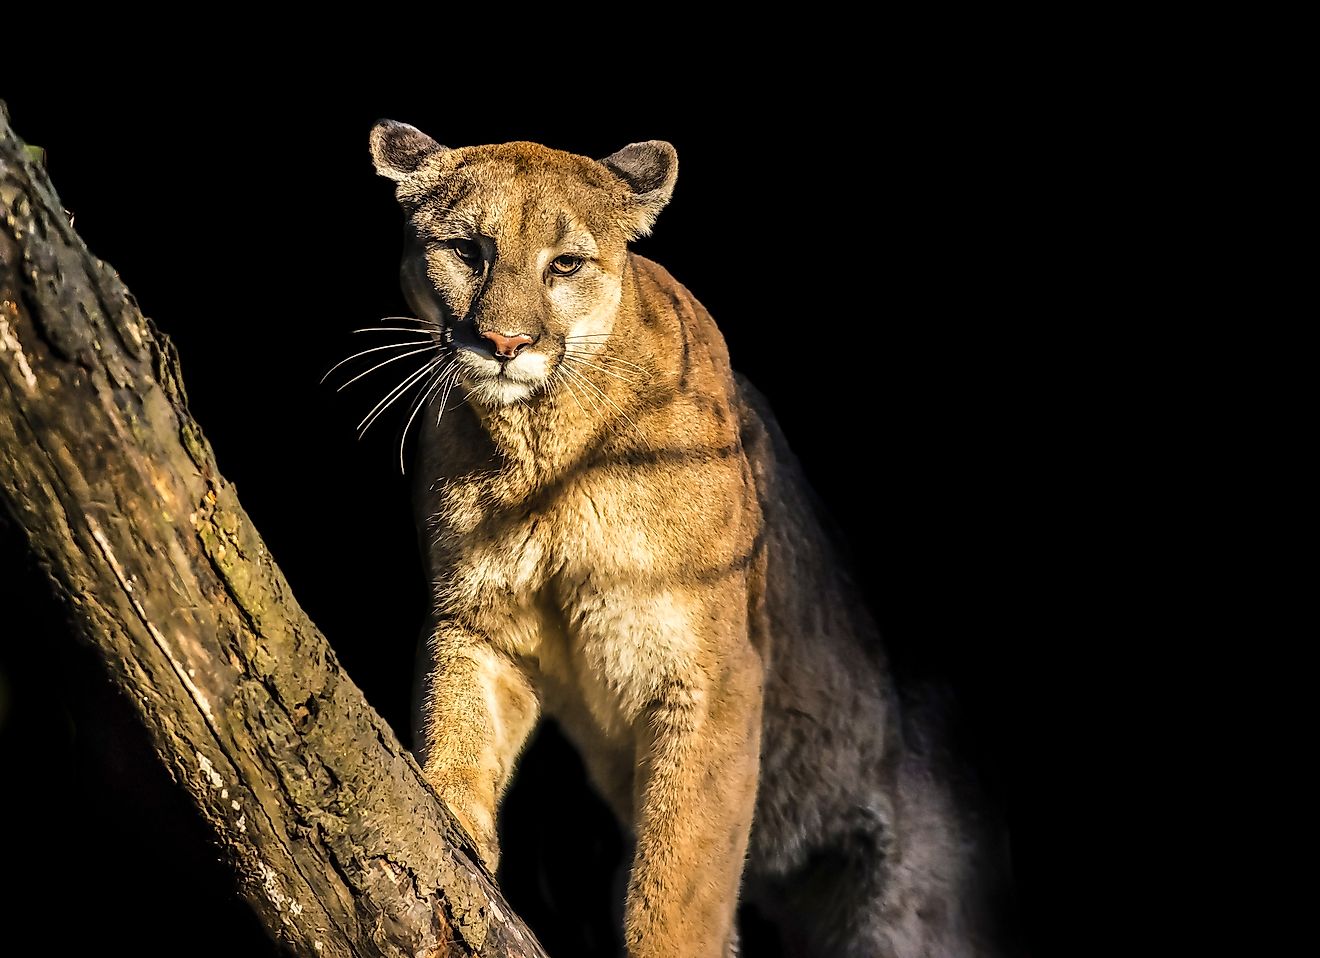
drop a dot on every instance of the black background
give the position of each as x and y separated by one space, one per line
885 281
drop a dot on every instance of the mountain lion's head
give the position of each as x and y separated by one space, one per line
515 253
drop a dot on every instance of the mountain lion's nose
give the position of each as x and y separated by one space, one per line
506 347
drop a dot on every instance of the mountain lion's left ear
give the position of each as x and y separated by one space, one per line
649 169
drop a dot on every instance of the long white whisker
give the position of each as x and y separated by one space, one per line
590 392
607 358
569 386
430 347
393 329
374 349
607 399
425 395
574 359
444 398
392 396
575 376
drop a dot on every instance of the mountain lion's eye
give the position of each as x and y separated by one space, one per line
466 250
565 265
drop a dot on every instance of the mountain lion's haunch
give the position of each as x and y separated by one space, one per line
618 536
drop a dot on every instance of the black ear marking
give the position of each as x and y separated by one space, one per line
646 167
650 169
398 149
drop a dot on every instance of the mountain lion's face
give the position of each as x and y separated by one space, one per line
515 253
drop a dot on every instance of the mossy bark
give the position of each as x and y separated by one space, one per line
334 836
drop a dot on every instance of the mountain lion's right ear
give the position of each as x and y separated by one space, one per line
649 169
398 149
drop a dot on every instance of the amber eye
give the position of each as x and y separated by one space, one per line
565 265
466 250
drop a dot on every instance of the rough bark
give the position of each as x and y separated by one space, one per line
334 836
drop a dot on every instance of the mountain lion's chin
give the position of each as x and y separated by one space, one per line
500 390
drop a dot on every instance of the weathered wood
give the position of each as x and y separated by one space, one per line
334 836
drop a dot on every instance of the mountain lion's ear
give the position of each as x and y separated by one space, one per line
650 170
398 149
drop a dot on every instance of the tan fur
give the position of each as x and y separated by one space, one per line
636 555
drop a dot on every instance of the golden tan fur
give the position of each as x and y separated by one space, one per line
618 537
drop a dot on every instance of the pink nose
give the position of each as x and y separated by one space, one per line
506 347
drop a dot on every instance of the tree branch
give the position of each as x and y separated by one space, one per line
335 838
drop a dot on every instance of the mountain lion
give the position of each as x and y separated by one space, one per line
618 536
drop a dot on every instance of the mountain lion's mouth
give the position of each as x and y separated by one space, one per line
527 368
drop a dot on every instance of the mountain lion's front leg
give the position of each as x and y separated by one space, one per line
480 708
697 760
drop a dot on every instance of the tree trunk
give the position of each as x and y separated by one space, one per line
333 835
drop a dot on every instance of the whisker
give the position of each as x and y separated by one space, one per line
425 395
575 376
582 383
620 411
430 347
374 349
607 358
573 359
444 399
424 323
569 386
587 356
393 395
394 329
